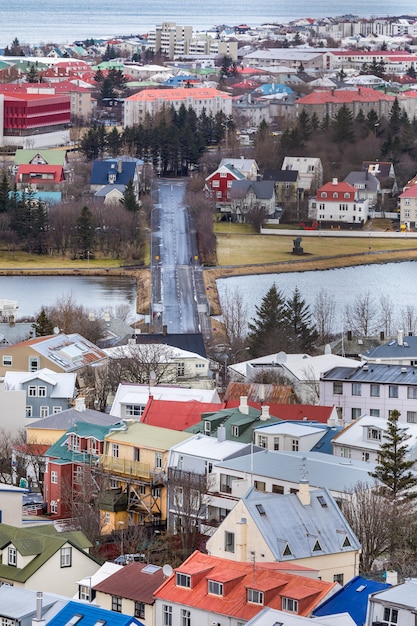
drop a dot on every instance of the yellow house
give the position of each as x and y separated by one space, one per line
135 459
306 528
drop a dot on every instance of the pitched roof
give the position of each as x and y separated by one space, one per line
236 578
393 349
263 189
52 157
135 581
258 394
101 170
281 176
176 415
65 419
293 412
193 342
148 436
63 384
178 93
55 170
90 616
345 96
352 598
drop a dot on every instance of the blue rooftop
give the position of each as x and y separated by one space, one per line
91 615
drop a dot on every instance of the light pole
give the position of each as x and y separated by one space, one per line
121 524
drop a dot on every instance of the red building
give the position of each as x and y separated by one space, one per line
218 184
27 113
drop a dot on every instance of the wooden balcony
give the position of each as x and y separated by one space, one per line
125 467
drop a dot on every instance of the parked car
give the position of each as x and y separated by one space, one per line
124 559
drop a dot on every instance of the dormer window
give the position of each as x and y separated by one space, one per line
317 547
112 178
183 580
290 605
324 194
255 597
374 434
346 543
287 551
335 195
347 195
12 556
235 431
207 427
215 588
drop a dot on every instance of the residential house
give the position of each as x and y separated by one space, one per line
408 207
362 439
74 612
70 462
210 590
375 389
130 590
306 528
110 177
272 617
305 413
135 458
311 60
170 365
279 472
248 167
190 465
247 196
310 171
131 399
292 436
86 592
218 184
257 394
11 504
22 606
46 391
351 598
149 102
193 342
60 353
338 204
385 173
38 157
287 187
394 606
367 185
12 410
398 350
44 559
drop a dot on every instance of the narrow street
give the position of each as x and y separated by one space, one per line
178 298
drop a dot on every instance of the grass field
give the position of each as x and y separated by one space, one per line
26 261
238 249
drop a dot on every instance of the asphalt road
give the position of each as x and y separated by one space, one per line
178 298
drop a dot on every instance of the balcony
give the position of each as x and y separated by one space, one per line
113 500
125 467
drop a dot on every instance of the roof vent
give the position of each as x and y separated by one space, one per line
403 370
365 368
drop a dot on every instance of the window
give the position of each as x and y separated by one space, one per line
140 610
356 413
338 578
288 604
294 445
229 541
225 483
374 434
365 456
44 411
54 506
29 411
84 593
345 453
158 459
375 391
338 388
7 360
255 596
66 556
56 409
277 489
166 615
412 393
107 517
115 450
412 417
207 427
33 363
116 604
390 616
393 391
185 617
178 496
134 410
32 391
235 431
42 392
215 588
180 369
276 443
183 580
54 477
374 412
12 556
262 441
356 389
259 485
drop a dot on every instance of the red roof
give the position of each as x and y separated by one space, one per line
56 171
341 187
176 415
410 192
345 96
293 412
236 578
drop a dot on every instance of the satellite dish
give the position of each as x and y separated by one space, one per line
167 570
56 330
281 357
327 349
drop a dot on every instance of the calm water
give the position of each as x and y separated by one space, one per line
67 20
396 280
95 293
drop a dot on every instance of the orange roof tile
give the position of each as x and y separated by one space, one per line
345 96
178 93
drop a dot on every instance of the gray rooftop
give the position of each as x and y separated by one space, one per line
66 419
322 470
406 349
374 373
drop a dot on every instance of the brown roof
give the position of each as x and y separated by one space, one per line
135 581
255 392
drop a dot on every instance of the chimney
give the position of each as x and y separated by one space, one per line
392 577
119 166
80 404
243 406
303 492
382 335
335 181
221 433
349 335
164 330
38 621
264 413
400 337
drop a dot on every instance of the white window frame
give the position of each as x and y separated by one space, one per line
44 411
7 360
12 556
254 596
54 477
32 391
215 588
290 605
42 391
167 615
66 556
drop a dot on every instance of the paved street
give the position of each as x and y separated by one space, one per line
178 295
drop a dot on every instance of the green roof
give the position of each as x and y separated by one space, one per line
41 543
52 157
148 436
246 423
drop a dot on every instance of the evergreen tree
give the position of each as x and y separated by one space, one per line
99 76
342 125
85 231
302 333
4 193
43 325
315 122
129 200
107 91
33 75
394 470
395 117
267 332
114 142
304 124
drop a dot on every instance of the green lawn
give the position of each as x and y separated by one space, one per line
24 260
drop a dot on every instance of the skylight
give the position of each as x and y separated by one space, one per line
260 509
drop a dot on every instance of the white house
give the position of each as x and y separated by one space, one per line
396 606
338 202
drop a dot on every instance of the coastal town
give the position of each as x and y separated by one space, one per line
197 465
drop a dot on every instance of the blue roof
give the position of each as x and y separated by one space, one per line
268 89
101 170
352 598
50 197
90 615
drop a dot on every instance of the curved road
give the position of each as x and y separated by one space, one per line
178 298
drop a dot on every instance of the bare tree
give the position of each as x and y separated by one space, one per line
387 320
324 309
235 320
7 441
408 318
361 316
71 317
